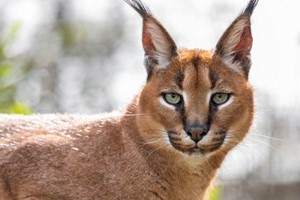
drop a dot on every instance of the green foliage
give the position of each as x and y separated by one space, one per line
215 194
9 78
7 39
15 107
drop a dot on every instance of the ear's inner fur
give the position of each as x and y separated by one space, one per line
244 46
235 44
158 45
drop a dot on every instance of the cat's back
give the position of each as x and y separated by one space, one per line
58 153
44 134
16 130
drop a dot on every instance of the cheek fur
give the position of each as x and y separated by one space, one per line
232 112
167 114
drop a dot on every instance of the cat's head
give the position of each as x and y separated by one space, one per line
196 102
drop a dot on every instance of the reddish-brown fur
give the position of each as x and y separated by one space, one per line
145 152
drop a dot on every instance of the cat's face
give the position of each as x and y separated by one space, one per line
196 102
196 105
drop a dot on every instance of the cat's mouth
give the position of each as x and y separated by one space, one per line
207 144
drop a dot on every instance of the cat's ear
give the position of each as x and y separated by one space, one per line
158 44
235 44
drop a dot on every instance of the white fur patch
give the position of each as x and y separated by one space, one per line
228 61
208 97
229 101
234 37
206 139
167 139
162 45
185 98
163 102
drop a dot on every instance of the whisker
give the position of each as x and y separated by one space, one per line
154 130
164 146
133 115
267 137
232 138
151 142
266 143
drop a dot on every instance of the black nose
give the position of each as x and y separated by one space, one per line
197 131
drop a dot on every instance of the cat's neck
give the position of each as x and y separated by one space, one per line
187 176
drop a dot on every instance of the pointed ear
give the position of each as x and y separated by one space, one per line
235 44
158 44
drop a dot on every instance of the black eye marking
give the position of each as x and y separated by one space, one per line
179 79
213 78
196 62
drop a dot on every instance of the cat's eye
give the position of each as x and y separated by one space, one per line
220 98
172 98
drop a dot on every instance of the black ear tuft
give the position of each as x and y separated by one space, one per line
250 7
139 7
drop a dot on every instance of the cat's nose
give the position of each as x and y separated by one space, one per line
197 131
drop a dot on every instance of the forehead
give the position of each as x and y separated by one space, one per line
194 69
197 70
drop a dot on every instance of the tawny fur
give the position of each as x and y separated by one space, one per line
141 153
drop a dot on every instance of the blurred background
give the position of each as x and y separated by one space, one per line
86 57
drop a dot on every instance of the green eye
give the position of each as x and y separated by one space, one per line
172 98
220 98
